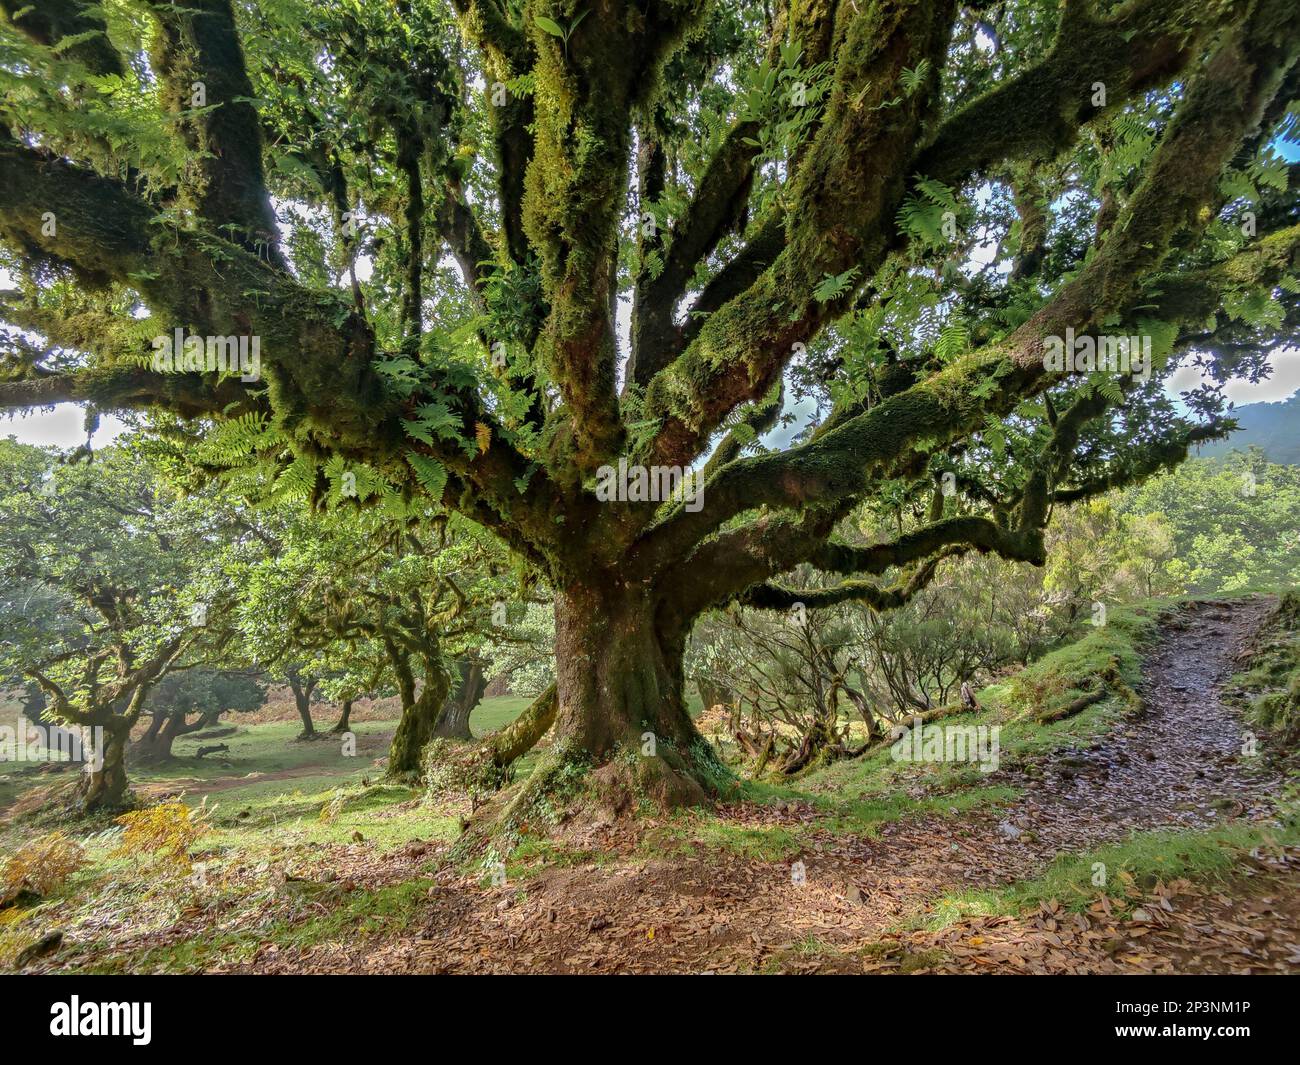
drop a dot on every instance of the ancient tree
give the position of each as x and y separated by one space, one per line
491 252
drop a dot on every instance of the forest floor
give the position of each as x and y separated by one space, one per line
1111 841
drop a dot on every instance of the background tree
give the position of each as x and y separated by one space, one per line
189 700
1230 523
782 194
121 563
361 603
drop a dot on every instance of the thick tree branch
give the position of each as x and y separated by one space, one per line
198 51
1038 113
51 21
879 597
719 207
843 195
1222 105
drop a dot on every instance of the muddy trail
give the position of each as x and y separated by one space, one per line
1176 764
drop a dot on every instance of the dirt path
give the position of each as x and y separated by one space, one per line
1178 764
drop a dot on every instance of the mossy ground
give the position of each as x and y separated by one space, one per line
272 803
1269 690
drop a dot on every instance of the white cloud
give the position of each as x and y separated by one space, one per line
1282 384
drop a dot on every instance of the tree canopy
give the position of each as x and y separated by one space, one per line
476 257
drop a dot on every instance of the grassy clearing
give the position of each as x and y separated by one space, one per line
387 816
257 751
497 712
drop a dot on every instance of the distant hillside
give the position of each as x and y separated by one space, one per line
1275 427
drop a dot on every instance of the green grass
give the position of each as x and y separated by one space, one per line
1131 868
694 832
534 854
496 713
259 750
691 833
387 816
864 817
1269 691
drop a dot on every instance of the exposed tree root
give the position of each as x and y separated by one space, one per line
481 769
526 731
566 787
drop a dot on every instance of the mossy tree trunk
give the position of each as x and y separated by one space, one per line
712 694
302 688
471 682
156 744
166 727
621 694
103 785
421 705
344 722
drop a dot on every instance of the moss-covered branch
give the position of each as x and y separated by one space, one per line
206 91
1038 113
508 54
53 21
522 735
844 197
716 209
880 598
1222 104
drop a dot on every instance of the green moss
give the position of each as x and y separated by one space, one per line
1131 869
534 855
1269 690
923 959
346 914
865 816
